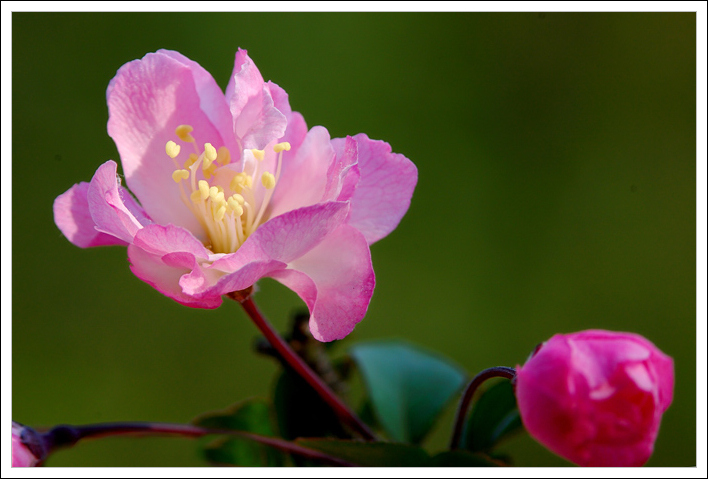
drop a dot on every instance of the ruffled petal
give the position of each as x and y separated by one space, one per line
344 172
336 281
256 120
162 255
147 100
165 277
106 202
383 193
72 216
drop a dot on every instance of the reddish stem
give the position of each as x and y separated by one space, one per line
345 414
64 436
496 372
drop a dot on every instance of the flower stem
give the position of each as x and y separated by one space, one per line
342 411
496 372
65 436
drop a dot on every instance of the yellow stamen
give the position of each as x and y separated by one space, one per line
208 172
219 215
191 160
209 152
235 206
268 181
259 154
240 181
281 146
183 132
238 198
223 156
203 189
172 149
179 175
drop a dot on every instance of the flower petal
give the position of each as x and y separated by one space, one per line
72 216
165 277
162 255
336 281
274 244
107 206
256 120
304 180
383 193
147 100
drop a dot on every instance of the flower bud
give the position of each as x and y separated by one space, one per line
596 397
27 448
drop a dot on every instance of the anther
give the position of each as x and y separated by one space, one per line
219 215
209 152
259 154
281 146
191 160
203 189
268 181
179 175
236 208
183 132
172 149
223 156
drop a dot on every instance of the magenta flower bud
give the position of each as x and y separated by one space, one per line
27 448
596 397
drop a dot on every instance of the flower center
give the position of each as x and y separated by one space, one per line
227 203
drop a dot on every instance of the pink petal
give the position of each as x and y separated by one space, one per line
304 181
164 239
383 193
72 216
273 245
344 172
256 120
211 101
165 277
147 100
162 255
336 281
291 235
107 206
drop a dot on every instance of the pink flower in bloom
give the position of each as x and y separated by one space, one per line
233 188
596 397
26 449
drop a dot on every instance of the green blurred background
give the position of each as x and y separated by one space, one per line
556 156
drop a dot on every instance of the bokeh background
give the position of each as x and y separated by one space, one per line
556 155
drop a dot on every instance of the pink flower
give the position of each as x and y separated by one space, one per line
233 188
596 397
26 448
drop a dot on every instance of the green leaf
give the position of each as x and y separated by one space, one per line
462 459
253 415
408 386
371 454
301 412
243 452
493 417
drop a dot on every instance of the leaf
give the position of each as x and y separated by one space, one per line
371 454
301 412
463 459
243 452
253 415
408 386
493 417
